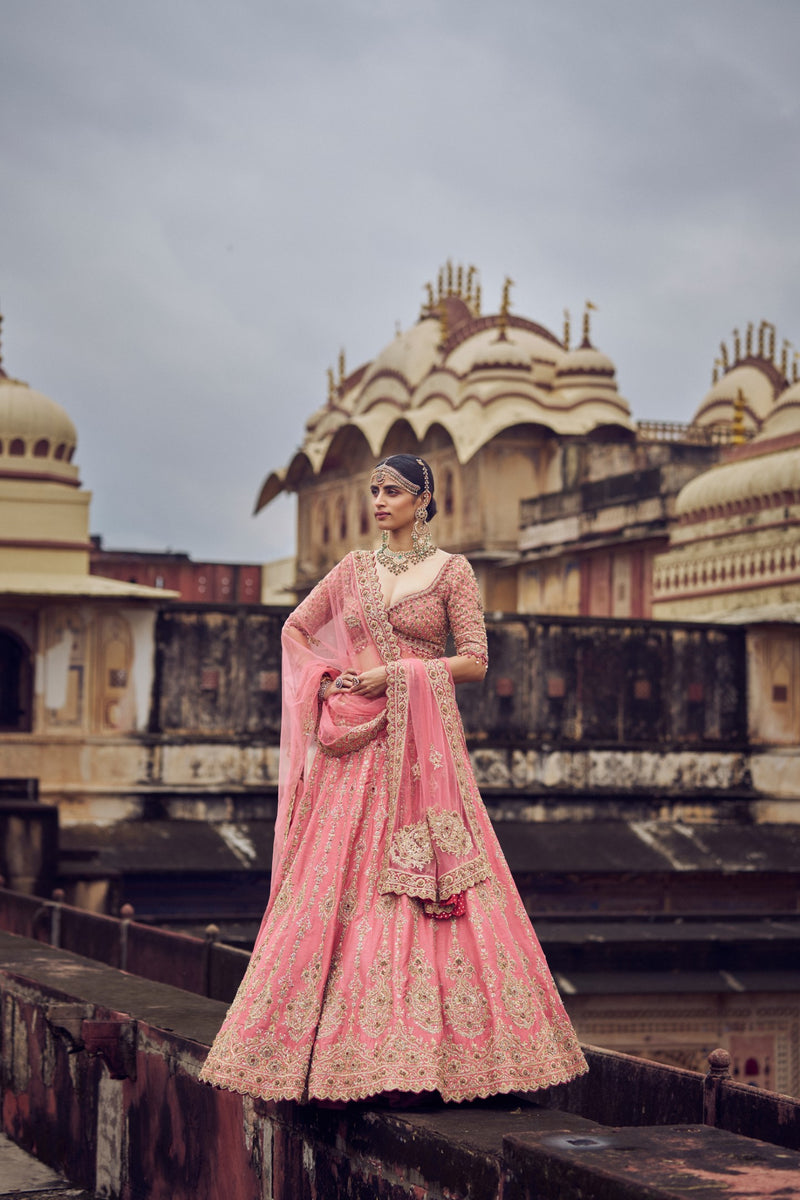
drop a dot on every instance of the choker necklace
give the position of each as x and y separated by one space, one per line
398 561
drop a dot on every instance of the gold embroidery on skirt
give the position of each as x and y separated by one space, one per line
347 906
300 1013
422 995
375 1008
465 1004
334 1003
516 991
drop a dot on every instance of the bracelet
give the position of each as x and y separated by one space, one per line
325 685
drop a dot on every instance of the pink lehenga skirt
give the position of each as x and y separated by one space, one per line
350 993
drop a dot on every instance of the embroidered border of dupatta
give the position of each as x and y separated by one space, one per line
393 879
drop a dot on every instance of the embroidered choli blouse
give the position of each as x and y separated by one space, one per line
452 603
422 620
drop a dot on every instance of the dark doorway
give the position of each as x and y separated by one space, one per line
16 684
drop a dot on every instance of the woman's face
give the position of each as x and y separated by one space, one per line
393 506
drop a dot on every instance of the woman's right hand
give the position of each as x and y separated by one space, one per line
370 683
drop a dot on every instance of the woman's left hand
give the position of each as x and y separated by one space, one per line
371 683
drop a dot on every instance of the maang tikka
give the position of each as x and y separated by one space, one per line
422 547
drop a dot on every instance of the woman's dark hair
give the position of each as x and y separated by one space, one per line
410 467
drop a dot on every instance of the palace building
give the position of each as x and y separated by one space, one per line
76 650
490 400
637 737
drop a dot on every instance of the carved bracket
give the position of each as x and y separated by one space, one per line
115 1042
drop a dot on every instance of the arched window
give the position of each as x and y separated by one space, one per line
363 518
41 449
341 518
16 684
17 447
60 451
325 525
449 502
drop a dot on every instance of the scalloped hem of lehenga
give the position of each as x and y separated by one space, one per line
449 1095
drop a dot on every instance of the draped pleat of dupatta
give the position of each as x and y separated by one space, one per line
352 988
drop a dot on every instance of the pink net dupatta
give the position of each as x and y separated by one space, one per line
434 849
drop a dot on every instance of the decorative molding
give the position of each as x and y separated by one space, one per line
682 574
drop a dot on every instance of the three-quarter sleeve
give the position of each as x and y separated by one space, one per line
465 613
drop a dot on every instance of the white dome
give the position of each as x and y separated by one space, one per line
785 416
584 366
757 478
501 354
36 434
410 355
758 391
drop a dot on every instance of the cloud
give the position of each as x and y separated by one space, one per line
202 203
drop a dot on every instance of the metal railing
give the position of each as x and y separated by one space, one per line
204 966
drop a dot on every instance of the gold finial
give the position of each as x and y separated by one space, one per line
715 371
449 276
459 280
440 284
586 320
341 366
723 351
443 331
430 303
331 386
795 361
737 425
771 329
505 304
477 299
748 340
737 346
785 358
761 339
470 277
566 329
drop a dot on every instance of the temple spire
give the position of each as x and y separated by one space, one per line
505 305
587 341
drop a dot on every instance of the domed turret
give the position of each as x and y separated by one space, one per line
747 382
785 416
37 437
501 354
585 366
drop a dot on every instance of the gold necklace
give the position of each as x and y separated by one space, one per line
398 561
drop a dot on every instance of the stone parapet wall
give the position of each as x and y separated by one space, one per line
99 1080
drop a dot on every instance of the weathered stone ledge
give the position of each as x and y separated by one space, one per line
100 1081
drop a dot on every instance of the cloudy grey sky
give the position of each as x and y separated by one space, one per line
201 202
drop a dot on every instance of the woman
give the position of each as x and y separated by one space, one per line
395 954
